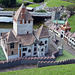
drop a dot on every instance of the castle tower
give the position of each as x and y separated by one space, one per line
66 27
22 21
55 15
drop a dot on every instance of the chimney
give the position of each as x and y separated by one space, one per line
23 12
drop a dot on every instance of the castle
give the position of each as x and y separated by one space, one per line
22 40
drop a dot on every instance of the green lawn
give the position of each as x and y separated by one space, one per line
33 5
57 3
50 70
6 25
72 23
66 55
2 56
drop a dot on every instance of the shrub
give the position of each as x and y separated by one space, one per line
40 11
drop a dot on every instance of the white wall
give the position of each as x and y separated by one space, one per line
12 56
43 40
23 28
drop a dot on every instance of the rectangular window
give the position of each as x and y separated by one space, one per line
35 53
24 49
23 54
11 45
35 49
20 45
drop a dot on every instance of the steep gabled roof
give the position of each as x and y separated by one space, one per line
10 37
42 32
18 14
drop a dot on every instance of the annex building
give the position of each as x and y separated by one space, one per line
22 40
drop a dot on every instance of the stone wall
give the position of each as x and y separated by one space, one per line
23 61
51 63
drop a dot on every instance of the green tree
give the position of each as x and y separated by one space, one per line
8 3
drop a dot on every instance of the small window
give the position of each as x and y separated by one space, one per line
25 22
45 42
27 32
42 49
34 44
11 45
41 53
12 53
20 45
28 21
35 49
23 54
29 50
24 49
21 22
41 42
35 53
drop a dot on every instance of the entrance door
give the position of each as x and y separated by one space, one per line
20 53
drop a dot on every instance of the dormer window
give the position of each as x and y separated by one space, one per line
28 21
21 22
25 22
11 45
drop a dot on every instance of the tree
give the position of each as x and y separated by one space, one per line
8 3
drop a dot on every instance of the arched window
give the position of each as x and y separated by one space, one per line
28 21
29 50
45 42
42 49
27 32
12 53
25 22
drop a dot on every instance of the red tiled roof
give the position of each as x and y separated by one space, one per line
22 13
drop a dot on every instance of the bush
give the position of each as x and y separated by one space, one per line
71 8
8 3
40 11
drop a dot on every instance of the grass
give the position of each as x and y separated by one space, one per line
33 5
57 3
2 56
72 23
6 25
66 55
11 9
9 25
50 70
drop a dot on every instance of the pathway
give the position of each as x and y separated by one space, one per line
65 45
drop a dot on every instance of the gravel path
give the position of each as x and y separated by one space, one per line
19 68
